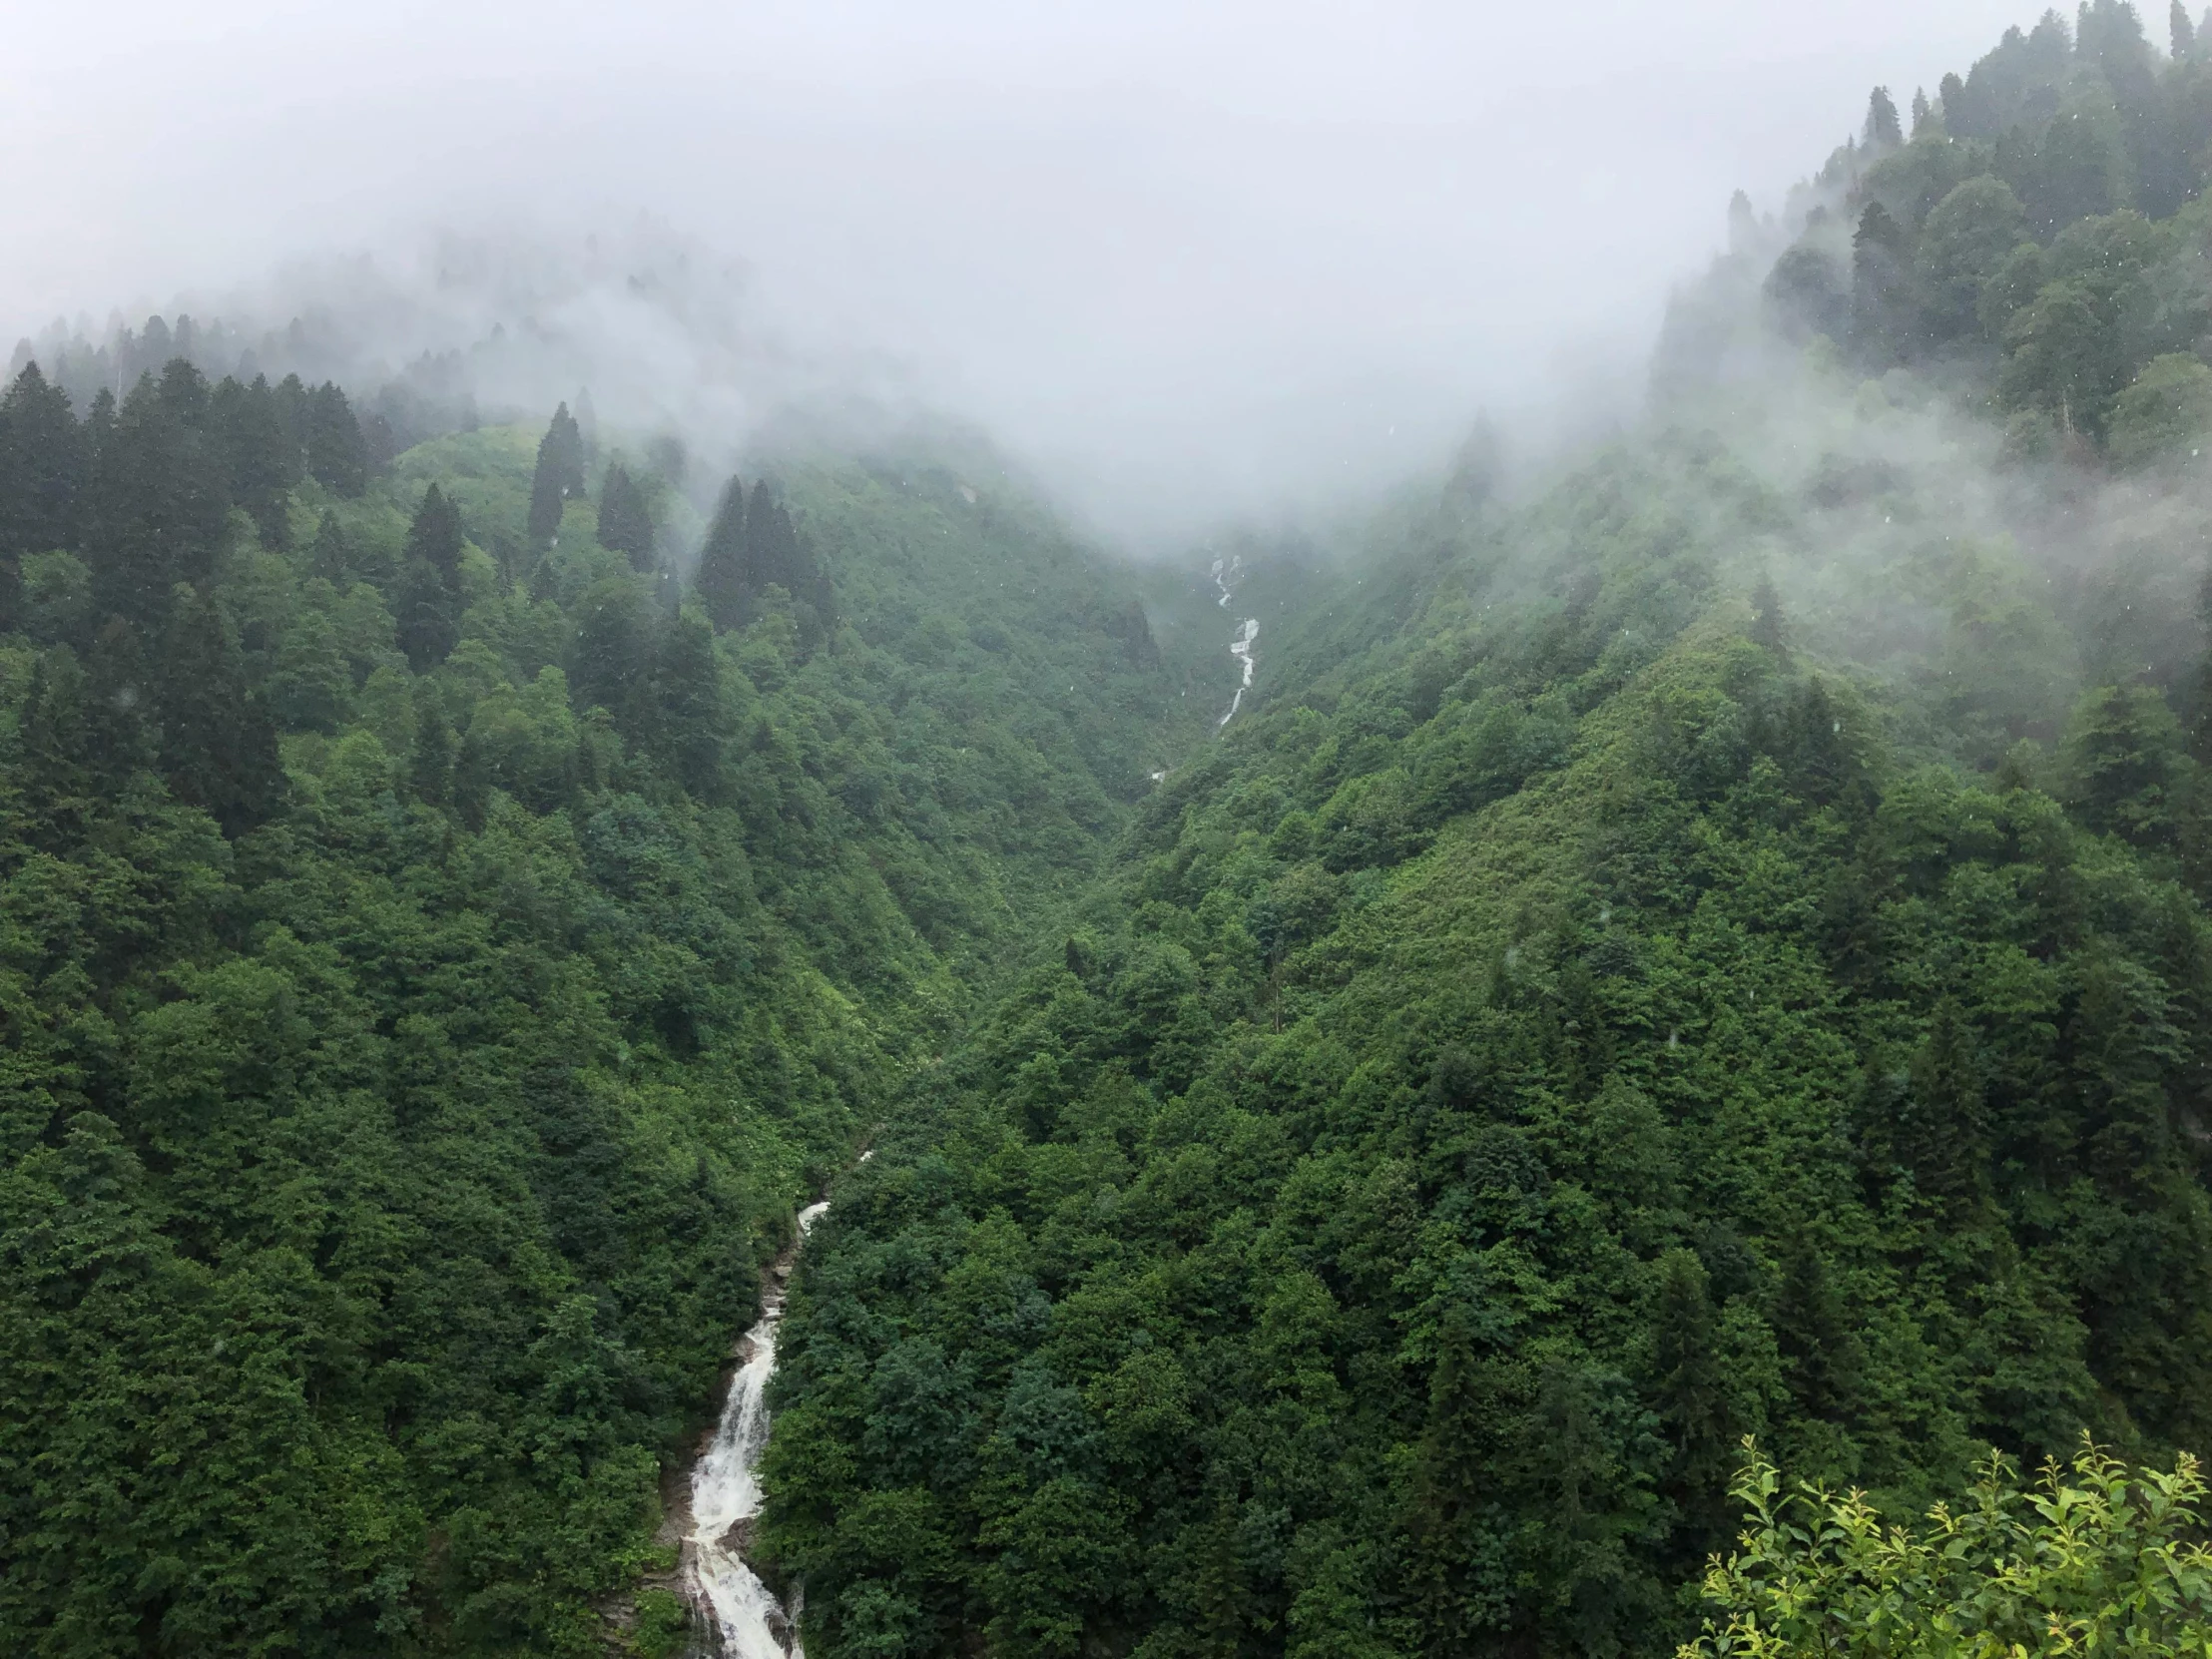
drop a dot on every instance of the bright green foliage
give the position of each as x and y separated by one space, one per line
2097 1557
410 1064
1554 1034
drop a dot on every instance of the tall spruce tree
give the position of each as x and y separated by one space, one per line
721 580
430 581
1883 130
159 500
776 556
687 698
42 474
336 453
625 523
262 460
218 745
1881 296
559 477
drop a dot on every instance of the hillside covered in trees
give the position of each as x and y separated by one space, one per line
442 943
1712 945
1716 948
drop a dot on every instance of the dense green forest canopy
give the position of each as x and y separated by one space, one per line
1716 948
1715 945
437 947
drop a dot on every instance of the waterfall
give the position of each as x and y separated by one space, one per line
1227 573
749 1622
1241 648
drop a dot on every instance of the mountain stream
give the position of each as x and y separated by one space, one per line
1225 574
746 1619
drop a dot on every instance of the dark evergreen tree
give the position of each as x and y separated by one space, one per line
42 476
159 503
262 458
430 765
2127 769
559 476
610 664
429 619
56 795
1459 1573
625 523
1924 113
2182 31
1766 616
1693 1398
1882 312
331 438
1958 107
218 745
687 697
721 579
1822 1355
1884 131
1941 1130
776 556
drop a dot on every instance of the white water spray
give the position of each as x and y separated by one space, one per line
749 1623
1241 648
1227 573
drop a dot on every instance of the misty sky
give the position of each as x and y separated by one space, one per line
1191 259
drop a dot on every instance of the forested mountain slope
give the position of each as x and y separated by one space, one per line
1717 947
440 945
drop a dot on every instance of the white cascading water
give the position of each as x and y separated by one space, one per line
1227 573
1241 648
749 1622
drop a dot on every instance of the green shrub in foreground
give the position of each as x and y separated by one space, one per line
2094 1558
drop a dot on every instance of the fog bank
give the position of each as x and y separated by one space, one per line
1187 261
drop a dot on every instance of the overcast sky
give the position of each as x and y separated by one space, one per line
1190 258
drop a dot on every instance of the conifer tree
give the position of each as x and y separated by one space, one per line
2183 31
625 523
56 795
430 766
610 666
1942 1133
687 696
1692 1389
42 472
1883 130
1823 1356
721 580
1957 104
775 556
1881 290
559 476
1766 616
331 439
261 460
159 501
1924 113
218 745
2127 769
430 581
